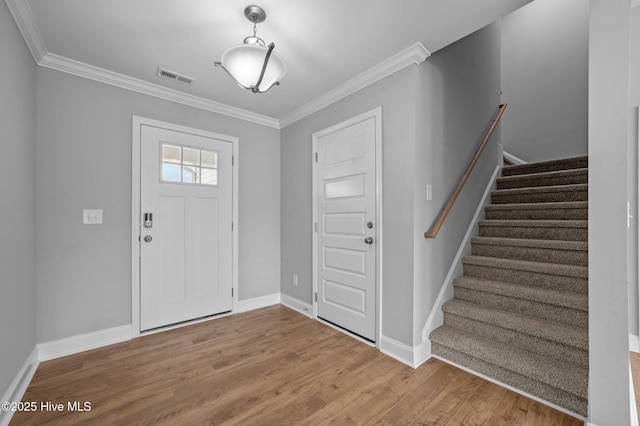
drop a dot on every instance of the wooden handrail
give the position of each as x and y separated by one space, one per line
445 211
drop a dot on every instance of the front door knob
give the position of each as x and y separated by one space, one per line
148 238
368 240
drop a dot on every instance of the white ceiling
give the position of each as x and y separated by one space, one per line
324 43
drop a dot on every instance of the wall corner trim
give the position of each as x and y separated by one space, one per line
413 55
413 357
83 342
19 384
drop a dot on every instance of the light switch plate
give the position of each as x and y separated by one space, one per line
92 217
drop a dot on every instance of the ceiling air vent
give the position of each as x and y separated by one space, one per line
174 76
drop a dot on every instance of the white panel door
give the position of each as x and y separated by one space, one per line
186 241
346 234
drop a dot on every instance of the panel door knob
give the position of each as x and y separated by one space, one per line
148 238
368 240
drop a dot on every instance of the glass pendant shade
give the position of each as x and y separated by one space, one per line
244 64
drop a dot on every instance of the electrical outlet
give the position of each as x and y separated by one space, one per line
295 279
92 216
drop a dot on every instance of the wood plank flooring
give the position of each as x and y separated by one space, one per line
271 366
635 375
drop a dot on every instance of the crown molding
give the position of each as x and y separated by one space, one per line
413 55
23 17
80 69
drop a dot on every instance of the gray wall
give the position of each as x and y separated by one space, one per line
83 160
544 79
17 209
396 95
434 117
459 96
609 31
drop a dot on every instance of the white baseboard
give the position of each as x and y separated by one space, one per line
297 305
413 357
634 343
258 302
83 342
19 384
513 158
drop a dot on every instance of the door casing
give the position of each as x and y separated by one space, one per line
137 122
377 115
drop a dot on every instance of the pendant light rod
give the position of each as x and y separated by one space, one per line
255 88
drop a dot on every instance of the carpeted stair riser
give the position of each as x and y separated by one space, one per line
573 317
547 166
546 194
564 177
525 341
549 393
535 230
569 253
538 211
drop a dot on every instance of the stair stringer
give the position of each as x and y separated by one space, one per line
436 315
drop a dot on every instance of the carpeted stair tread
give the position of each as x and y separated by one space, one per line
542 194
529 342
518 291
551 251
546 392
525 300
560 177
576 210
581 162
567 377
525 265
568 335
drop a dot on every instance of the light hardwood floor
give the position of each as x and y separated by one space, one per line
635 374
271 366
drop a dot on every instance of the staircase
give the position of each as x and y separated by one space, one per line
520 311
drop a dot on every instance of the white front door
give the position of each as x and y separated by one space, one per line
186 219
347 226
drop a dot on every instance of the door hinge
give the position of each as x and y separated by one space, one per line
233 160
316 157
232 292
315 226
231 226
316 296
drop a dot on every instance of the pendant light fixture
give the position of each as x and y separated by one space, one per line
252 65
